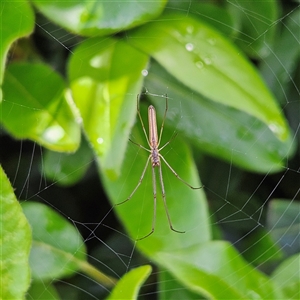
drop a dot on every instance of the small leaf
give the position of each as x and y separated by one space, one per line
129 285
36 107
17 20
91 18
57 247
15 241
105 88
207 63
287 277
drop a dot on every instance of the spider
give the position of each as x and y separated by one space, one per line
155 157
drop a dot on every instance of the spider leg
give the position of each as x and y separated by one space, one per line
154 205
139 183
165 202
172 170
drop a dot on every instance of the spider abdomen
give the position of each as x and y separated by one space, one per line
155 157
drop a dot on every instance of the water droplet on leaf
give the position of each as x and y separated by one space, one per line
199 64
189 47
100 140
144 72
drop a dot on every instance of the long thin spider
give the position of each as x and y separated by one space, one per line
153 142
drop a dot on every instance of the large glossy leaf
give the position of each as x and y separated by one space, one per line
216 129
202 59
128 286
15 241
106 76
91 18
17 20
36 106
217 271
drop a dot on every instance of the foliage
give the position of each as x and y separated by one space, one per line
236 119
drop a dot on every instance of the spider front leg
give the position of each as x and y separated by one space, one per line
139 183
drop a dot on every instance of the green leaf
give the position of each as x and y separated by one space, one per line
261 249
36 106
128 286
281 63
217 271
211 13
257 21
170 288
57 249
57 246
284 224
206 62
91 18
38 290
287 277
217 129
105 88
66 169
17 20
15 241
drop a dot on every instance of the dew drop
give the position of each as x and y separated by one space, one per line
54 133
96 61
100 140
199 64
189 47
207 61
144 72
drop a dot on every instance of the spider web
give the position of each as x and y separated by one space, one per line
238 200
